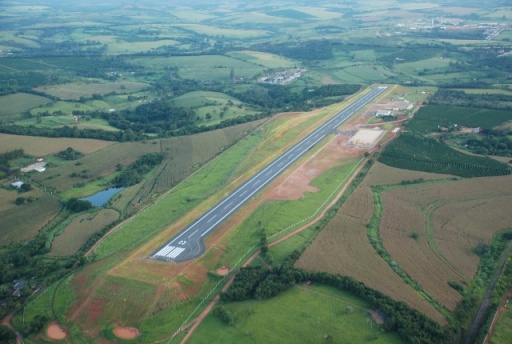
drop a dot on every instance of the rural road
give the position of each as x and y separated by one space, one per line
189 243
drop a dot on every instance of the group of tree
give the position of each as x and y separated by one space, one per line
5 158
135 172
67 131
70 154
491 142
77 205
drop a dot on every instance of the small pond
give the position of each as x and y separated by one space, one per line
102 197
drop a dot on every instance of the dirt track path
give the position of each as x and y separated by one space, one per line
194 324
500 310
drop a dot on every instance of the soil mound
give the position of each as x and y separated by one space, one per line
223 271
126 332
55 332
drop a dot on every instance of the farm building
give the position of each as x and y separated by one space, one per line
17 184
38 166
383 113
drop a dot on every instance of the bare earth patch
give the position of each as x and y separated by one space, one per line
298 182
126 332
223 271
55 332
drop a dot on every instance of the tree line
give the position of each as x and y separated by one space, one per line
261 283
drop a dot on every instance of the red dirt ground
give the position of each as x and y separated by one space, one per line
55 332
329 156
126 332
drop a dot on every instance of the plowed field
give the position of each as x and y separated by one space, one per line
450 219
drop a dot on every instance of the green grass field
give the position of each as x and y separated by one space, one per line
76 233
211 30
197 99
264 59
178 202
313 314
203 68
503 329
278 218
98 165
137 47
16 224
73 91
18 103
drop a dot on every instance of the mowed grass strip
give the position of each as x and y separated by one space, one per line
41 146
18 103
73 91
301 315
80 229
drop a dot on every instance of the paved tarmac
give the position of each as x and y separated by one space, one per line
189 243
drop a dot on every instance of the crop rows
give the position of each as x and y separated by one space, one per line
428 118
423 154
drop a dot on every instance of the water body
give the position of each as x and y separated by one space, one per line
102 197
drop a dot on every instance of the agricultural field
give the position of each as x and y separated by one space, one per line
357 258
430 118
212 31
192 55
203 68
42 146
74 91
18 103
414 152
300 315
187 154
93 166
264 59
16 224
450 219
76 233
138 47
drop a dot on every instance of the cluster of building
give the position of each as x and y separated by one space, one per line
282 76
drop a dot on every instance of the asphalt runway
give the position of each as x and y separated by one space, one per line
189 243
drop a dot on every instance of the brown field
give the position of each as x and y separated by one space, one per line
400 219
41 146
382 174
98 164
73 91
79 230
343 244
451 218
15 224
343 248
